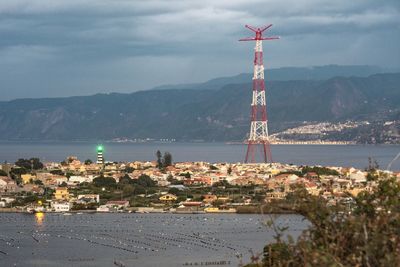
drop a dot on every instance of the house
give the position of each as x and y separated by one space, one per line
110 168
163 183
355 191
79 179
209 198
311 175
168 198
206 180
6 167
6 200
51 180
150 164
248 181
358 177
7 184
61 193
27 178
60 179
33 189
61 206
103 208
275 195
117 204
191 203
224 198
312 188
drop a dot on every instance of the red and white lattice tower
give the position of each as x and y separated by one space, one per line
258 136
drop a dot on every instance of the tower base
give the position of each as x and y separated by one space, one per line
264 149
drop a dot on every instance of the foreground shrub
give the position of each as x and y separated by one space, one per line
367 233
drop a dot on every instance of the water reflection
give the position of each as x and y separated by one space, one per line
39 217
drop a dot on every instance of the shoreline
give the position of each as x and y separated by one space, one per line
254 211
193 142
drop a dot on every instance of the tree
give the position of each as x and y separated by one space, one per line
128 190
175 191
125 180
145 181
181 198
129 169
3 173
139 190
88 162
167 159
185 174
372 165
159 159
213 168
229 171
29 164
16 173
102 181
218 203
170 178
222 183
38 182
319 170
57 172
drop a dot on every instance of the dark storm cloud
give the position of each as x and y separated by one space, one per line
70 47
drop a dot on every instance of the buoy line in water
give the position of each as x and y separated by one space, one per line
136 239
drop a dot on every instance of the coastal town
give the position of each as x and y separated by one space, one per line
340 133
73 185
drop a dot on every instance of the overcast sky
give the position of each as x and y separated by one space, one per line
52 48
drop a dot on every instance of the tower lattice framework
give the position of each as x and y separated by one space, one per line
258 136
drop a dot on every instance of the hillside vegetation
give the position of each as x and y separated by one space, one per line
207 114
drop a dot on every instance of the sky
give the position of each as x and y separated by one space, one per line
53 48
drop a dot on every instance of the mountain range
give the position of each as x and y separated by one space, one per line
217 110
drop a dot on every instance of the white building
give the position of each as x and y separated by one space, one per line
358 177
60 180
7 200
103 208
61 206
79 179
7 184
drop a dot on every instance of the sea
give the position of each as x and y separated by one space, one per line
131 239
325 155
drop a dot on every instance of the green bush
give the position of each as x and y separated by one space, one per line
367 234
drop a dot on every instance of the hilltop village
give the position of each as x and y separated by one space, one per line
163 186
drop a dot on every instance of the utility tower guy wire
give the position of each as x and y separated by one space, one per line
393 160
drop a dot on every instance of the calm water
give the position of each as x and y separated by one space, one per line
334 155
135 239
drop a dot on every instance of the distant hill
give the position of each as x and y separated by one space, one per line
208 114
285 74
